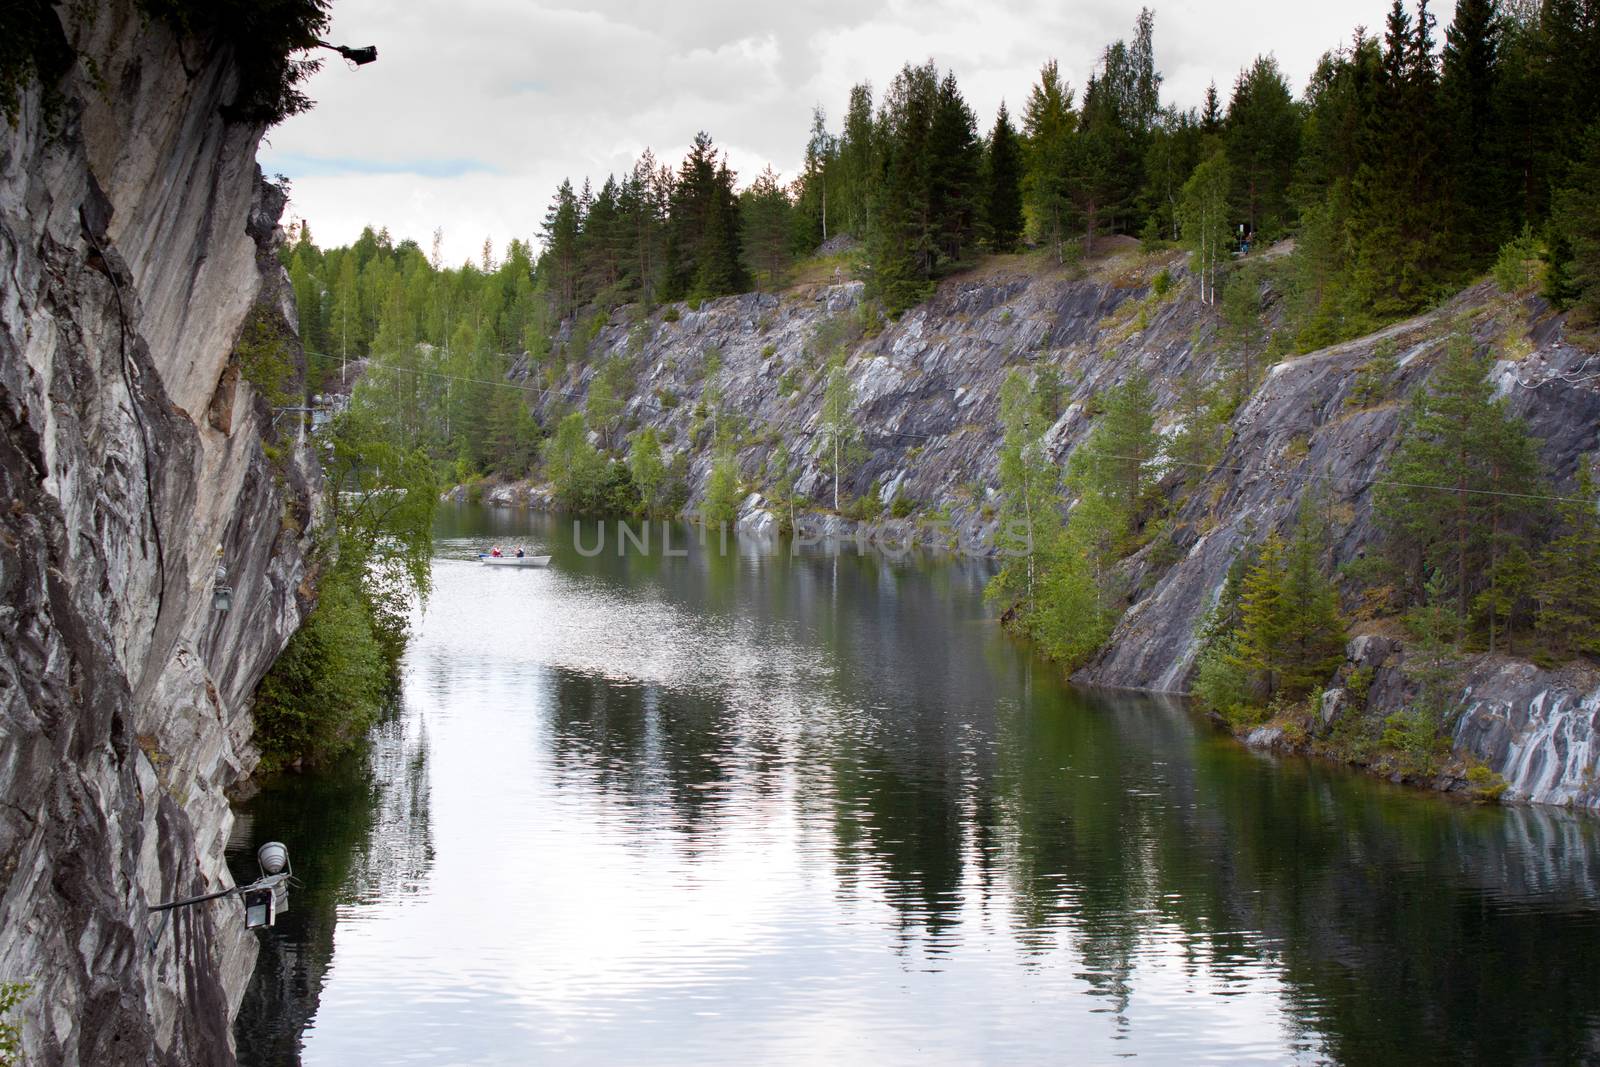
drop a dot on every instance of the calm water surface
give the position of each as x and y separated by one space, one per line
758 809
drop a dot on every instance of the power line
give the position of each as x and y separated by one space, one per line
1355 485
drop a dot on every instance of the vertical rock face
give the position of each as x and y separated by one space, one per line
135 237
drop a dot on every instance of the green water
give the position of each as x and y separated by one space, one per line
748 807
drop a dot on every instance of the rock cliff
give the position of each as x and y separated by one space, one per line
136 237
928 387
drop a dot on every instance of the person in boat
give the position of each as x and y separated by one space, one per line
495 552
520 552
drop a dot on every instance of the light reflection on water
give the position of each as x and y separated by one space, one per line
762 809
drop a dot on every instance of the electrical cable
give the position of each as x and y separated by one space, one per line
1354 486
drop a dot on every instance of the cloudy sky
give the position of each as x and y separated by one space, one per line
476 109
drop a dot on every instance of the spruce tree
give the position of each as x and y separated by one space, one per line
1263 143
559 264
1313 639
1263 624
1482 189
1048 125
1577 220
1003 185
1568 589
954 167
767 210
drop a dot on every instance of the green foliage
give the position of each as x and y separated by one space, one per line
671 314
1485 785
926 204
263 36
780 490
902 505
1047 584
1517 268
11 994
1243 332
332 682
1115 462
32 46
1568 590
1262 137
767 224
266 358
839 437
1286 637
649 472
339 672
1002 176
1202 216
1161 284
1576 219
576 470
1458 497
1417 737
721 505
1374 383
1051 391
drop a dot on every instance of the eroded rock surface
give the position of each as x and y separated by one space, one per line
135 236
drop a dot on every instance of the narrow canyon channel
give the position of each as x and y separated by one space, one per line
801 808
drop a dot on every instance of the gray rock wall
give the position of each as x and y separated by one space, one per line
928 393
134 238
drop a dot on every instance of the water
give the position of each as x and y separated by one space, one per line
749 808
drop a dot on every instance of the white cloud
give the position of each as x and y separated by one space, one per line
510 97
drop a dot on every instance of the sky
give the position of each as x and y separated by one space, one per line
476 109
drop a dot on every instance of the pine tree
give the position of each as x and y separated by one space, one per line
1457 488
1175 150
1003 185
781 488
721 505
1116 459
1242 331
903 247
818 177
703 256
1401 228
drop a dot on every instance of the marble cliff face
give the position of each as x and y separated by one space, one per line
136 237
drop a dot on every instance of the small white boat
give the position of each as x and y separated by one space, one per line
514 561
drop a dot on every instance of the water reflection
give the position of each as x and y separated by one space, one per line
771 809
